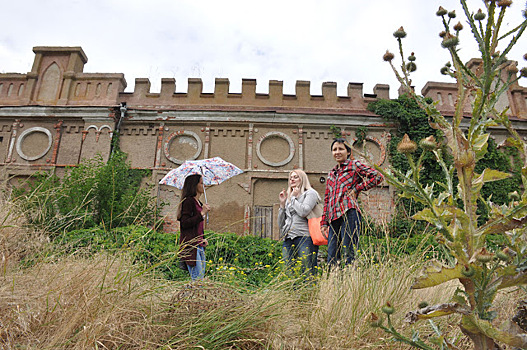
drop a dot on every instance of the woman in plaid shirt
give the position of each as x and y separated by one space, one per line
341 220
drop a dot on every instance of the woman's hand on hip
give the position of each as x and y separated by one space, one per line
325 231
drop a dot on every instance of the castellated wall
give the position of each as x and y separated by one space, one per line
56 115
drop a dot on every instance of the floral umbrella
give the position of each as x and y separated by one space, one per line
214 171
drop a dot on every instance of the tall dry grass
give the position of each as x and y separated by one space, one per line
105 302
334 314
16 242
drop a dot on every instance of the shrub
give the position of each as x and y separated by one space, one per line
92 193
249 260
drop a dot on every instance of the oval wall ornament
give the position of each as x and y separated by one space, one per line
28 132
176 134
378 143
281 135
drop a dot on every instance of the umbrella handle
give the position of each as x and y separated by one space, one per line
206 202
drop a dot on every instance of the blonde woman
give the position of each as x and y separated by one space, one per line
295 204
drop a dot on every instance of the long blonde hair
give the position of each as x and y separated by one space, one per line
304 182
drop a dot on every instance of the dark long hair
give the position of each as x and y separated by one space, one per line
190 189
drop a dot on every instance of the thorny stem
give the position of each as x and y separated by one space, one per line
399 337
489 86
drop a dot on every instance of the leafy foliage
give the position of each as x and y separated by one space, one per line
411 120
90 194
336 131
227 252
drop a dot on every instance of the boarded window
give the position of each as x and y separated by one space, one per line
262 221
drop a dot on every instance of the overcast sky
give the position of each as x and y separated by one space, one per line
289 40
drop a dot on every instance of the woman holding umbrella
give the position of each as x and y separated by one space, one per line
191 214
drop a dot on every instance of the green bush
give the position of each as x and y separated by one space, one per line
248 259
91 194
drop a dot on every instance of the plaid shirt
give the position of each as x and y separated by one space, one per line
341 179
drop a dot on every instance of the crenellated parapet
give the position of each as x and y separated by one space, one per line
141 97
57 79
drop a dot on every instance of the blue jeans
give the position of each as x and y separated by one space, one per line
300 249
343 237
198 272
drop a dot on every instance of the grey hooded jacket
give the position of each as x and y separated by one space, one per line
292 219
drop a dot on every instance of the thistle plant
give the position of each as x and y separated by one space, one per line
452 209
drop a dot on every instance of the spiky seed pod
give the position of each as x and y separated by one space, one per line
388 308
411 57
448 64
525 57
449 41
505 3
388 56
484 256
458 27
514 196
406 145
399 33
441 11
444 70
452 14
468 271
442 34
512 69
523 72
375 321
464 158
411 67
503 256
429 143
422 304
479 16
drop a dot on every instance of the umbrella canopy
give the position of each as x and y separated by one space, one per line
214 171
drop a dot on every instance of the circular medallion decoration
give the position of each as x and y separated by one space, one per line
186 136
281 135
382 149
28 132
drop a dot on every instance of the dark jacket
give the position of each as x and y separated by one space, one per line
190 237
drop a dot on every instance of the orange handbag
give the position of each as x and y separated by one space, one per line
313 221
